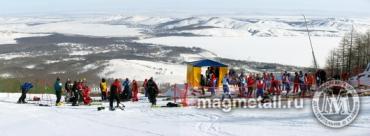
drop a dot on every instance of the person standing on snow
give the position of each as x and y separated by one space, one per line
250 82
86 94
135 91
126 90
202 83
225 85
58 91
115 90
145 87
296 83
75 94
152 91
103 89
304 85
266 80
241 84
213 84
80 88
25 88
310 81
274 87
260 86
68 86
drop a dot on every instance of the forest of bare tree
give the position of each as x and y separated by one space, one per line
351 56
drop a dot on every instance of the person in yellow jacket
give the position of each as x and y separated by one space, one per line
103 89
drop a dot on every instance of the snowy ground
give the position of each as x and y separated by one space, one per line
140 119
162 72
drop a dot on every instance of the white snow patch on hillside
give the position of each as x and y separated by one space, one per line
8 37
9 56
219 32
82 28
89 67
30 66
52 61
198 56
6 75
65 59
161 72
284 50
80 53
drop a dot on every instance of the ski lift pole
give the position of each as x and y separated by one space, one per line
309 37
174 93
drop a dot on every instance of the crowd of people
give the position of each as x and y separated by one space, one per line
78 92
253 85
262 84
125 91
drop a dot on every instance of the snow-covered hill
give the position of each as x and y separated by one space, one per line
104 43
123 26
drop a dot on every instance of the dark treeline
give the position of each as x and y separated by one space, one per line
352 55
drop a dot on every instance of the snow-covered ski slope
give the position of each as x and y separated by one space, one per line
139 119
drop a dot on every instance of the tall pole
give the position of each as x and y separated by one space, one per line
309 37
350 52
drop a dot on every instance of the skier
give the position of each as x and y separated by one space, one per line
274 88
145 87
103 89
225 85
213 83
296 83
310 81
86 94
241 85
303 86
80 88
135 91
25 88
58 91
321 77
266 80
68 88
75 93
152 91
202 83
126 90
260 85
286 82
208 74
250 81
115 90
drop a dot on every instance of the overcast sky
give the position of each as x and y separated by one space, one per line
280 7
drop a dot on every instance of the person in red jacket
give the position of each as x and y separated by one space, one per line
86 95
296 83
135 91
274 88
250 82
115 90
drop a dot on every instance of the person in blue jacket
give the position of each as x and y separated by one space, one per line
225 85
58 91
126 89
25 88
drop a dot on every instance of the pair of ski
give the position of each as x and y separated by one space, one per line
120 106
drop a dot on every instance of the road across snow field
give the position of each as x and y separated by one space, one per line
140 119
